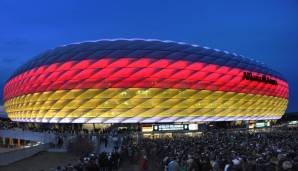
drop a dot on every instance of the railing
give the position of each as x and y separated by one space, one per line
42 140
9 157
43 137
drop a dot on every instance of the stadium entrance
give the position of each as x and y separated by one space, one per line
172 129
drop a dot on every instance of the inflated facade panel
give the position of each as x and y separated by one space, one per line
110 81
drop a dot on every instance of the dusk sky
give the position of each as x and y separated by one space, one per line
264 30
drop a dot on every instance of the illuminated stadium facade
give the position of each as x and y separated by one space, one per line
146 81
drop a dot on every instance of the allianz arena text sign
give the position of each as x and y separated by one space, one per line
262 78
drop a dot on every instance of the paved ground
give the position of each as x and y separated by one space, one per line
50 160
44 160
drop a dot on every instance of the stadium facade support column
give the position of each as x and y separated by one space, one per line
246 123
19 143
3 141
10 142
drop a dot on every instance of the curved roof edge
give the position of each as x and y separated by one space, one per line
156 40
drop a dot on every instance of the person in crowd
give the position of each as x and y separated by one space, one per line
143 161
173 165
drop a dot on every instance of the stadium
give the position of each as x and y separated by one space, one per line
143 81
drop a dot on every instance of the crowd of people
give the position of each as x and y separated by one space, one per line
219 151
94 162
7 124
213 150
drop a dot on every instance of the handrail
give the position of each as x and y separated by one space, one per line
9 157
43 137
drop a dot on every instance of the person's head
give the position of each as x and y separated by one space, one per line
236 162
286 165
189 156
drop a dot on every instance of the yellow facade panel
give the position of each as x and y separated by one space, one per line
141 102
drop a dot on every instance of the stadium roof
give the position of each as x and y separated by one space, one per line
135 48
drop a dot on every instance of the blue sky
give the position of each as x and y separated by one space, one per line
264 30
